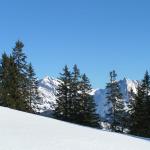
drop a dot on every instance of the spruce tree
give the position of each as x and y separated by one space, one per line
63 107
4 80
33 97
21 75
130 110
75 95
8 82
115 104
87 114
73 101
137 117
141 116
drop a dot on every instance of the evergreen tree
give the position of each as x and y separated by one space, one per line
8 82
130 110
87 114
141 116
33 97
137 117
115 104
63 107
75 95
73 101
4 80
21 76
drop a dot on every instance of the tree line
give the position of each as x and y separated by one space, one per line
19 90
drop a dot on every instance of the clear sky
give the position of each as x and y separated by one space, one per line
97 35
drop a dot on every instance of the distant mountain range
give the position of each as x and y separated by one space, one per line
48 88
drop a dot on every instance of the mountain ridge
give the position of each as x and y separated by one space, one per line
48 89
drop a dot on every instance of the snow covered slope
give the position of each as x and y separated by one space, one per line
23 131
48 86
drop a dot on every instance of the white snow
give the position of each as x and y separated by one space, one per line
23 131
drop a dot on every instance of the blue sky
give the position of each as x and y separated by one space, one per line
98 35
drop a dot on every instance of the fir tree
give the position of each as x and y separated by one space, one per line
63 107
75 95
137 117
141 116
4 80
87 114
33 96
8 82
130 110
115 115
21 75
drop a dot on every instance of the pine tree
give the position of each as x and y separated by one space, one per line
73 101
137 116
115 104
130 110
8 82
87 114
33 96
21 76
63 107
141 116
75 95
4 79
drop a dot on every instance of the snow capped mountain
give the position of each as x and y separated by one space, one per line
48 89
100 94
24 131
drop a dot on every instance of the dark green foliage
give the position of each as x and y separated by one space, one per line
63 108
21 76
8 80
74 104
116 112
130 110
141 116
88 115
15 80
33 97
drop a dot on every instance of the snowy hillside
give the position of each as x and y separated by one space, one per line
23 131
48 86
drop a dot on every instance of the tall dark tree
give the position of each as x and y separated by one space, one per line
130 110
33 97
4 80
73 101
141 116
115 104
63 107
8 82
75 95
87 113
21 75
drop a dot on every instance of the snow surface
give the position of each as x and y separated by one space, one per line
23 131
48 89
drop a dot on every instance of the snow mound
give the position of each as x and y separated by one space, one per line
23 131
